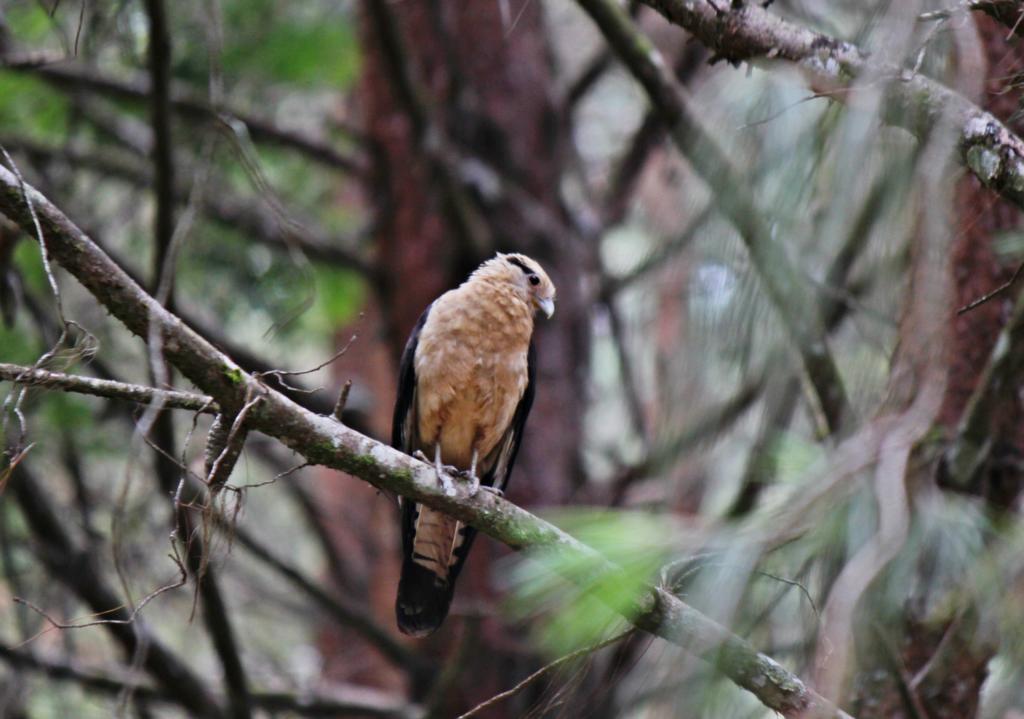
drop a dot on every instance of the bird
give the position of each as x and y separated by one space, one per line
465 387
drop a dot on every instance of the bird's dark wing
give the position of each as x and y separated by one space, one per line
403 424
422 601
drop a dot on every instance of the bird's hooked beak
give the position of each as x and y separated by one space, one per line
546 305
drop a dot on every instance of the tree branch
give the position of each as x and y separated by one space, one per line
343 612
322 440
141 394
972 445
914 102
340 609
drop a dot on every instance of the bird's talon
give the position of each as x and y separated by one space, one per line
469 476
493 490
421 457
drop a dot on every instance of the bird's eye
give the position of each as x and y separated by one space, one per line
534 280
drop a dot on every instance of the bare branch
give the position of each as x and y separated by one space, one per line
255 219
341 610
972 444
173 399
551 666
70 565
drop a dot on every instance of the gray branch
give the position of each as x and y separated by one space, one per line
172 399
323 440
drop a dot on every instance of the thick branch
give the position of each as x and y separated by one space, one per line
163 152
322 440
913 101
172 399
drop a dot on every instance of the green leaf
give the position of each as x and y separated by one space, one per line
31 107
583 611
314 52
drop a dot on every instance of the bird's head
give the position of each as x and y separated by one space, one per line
525 275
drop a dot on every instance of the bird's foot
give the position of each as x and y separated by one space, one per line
474 481
418 454
445 472
493 490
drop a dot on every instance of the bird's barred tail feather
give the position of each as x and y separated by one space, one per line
427 583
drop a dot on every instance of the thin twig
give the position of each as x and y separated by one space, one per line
997 291
339 406
77 78
544 670
130 619
279 373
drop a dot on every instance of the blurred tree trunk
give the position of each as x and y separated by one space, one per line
953 656
485 83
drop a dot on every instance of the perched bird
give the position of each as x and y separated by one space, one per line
465 387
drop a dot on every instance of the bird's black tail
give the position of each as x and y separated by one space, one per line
423 599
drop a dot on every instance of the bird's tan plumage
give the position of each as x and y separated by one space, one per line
465 387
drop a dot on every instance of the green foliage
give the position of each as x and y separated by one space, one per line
314 53
339 297
31 107
581 611
29 261
28 21
308 44
20 346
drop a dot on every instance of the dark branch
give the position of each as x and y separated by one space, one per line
76 568
254 219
